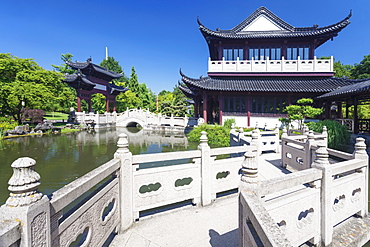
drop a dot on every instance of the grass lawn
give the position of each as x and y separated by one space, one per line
56 116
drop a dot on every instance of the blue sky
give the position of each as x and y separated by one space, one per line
159 37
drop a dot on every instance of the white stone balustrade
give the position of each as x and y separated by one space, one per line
298 148
271 66
266 140
110 198
286 211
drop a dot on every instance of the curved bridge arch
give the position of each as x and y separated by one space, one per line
131 122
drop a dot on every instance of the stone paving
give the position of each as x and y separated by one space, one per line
215 225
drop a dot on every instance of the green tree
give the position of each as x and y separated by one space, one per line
64 68
301 111
23 83
133 82
362 70
342 70
112 65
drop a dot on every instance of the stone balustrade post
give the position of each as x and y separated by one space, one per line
256 140
321 162
285 132
305 130
249 178
360 153
240 136
27 206
277 140
325 134
126 180
309 153
97 117
205 170
248 185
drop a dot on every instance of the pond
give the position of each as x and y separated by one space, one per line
61 159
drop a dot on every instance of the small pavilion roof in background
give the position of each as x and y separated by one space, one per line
90 69
283 29
79 81
359 88
264 84
115 90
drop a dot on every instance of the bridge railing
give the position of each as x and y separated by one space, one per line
265 140
111 197
106 119
305 205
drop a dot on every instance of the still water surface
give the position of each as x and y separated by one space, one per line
62 158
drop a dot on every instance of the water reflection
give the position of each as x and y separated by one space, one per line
63 158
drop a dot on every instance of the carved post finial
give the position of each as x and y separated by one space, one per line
233 126
360 149
305 130
24 183
265 128
249 168
122 144
311 135
322 156
285 132
256 125
203 139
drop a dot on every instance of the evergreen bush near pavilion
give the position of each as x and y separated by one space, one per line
338 135
218 136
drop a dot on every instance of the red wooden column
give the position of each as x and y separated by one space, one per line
107 105
205 107
248 106
355 116
196 107
114 105
221 107
78 104
340 112
89 104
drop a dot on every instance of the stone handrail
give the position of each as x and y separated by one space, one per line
267 140
298 151
308 204
110 198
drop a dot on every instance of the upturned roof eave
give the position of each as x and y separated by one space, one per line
293 32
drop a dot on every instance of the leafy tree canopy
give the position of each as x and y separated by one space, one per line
64 68
23 83
362 70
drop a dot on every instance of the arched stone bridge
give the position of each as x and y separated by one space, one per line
133 117
152 121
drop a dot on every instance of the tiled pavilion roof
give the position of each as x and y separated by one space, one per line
287 30
360 88
79 81
89 68
266 84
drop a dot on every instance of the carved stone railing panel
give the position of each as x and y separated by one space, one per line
230 179
300 211
91 218
168 192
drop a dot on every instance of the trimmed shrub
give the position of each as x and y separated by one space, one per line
218 136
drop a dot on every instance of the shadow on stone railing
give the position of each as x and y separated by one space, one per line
303 206
110 198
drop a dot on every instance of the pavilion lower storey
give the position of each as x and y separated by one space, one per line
216 107
213 107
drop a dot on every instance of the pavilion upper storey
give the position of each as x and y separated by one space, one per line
265 43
